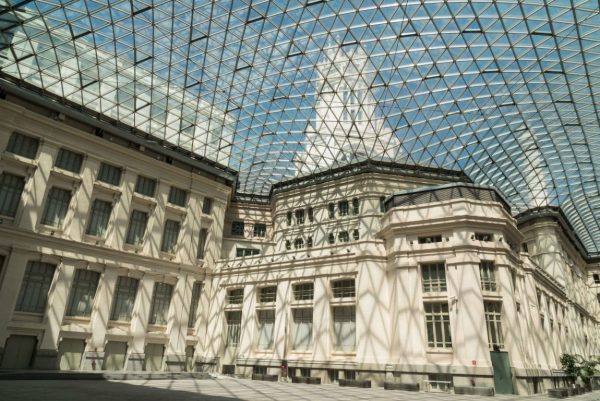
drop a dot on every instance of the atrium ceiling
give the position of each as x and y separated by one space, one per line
506 91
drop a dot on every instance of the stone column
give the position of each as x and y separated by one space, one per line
321 320
99 318
47 354
178 323
139 324
247 340
281 333
15 265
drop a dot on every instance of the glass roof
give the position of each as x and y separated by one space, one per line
506 91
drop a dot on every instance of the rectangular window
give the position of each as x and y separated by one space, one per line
343 288
83 292
343 208
266 324
234 325
434 277
241 252
343 236
11 188
311 214
309 242
267 294
437 321
235 296
202 243
382 204
300 216
237 228
159 312
207 205
145 186
34 289
177 196
298 243
57 205
331 210
486 237
596 277
355 206
259 230
99 217
110 174
196 292
23 145
355 235
430 239
331 238
302 328
68 160
493 321
137 227
487 271
289 218
125 294
170 235
304 291
344 328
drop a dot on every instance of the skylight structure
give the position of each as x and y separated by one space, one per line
505 91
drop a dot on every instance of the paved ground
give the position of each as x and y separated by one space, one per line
221 389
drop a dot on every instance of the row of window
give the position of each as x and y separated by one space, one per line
238 228
433 276
344 288
33 295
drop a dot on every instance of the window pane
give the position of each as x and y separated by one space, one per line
234 321
159 313
177 196
68 160
344 328
23 145
34 289
57 205
433 277
302 330
235 296
109 174
260 230
202 243
99 218
124 300
267 294
170 235
207 205
303 292
196 292
237 228
487 270
137 227
437 322
11 188
84 288
145 186
343 288
266 324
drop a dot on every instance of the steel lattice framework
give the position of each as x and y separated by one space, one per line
506 91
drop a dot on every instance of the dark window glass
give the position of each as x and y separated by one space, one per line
33 295
196 292
11 188
202 243
237 228
83 292
99 218
159 312
110 174
207 205
57 205
137 227
260 230
177 196
124 300
170 235
145 186
355 206
68 160
23 145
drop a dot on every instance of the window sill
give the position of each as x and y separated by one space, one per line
300 352
45 229
7 220
133 248
168 255
18 160
92 239
28 317
302 303
492 295
343 301
233 307
76 320
441 351
66 175
106 187
343 353
435 296
119 323
144 199
265 305
156 328
179 210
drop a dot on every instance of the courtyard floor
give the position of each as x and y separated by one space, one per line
218 389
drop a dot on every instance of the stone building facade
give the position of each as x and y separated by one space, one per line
117 256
